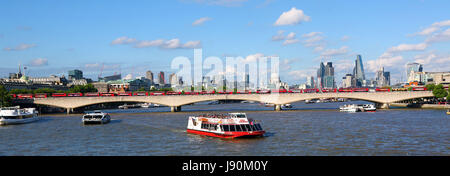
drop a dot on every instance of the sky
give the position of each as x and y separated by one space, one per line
131 37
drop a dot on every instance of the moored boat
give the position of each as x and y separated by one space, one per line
232 125
367 107
448 112
96 117
286 106
15 115
349 108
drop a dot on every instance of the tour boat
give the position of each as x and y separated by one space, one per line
232 125
96 117
349 108
367 108
146 105
286 106
15 115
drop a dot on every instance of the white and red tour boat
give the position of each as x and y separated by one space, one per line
232 125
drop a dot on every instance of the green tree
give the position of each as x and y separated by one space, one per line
5 97
448 96
430 86
83 88
439 91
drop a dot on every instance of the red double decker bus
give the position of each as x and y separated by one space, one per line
40 95
141 94
419 88
74 94
309 90
92 94
329 90
173 93
25 96
125 94
59 95
157 93
382 89
103 94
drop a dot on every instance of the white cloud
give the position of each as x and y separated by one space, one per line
300 75
292 17
201 21
385 60
172 44
253 58
433 28
335 52
311 34
439 37
428 31
290 41
146 43
314 39
39 62
161 43
408 47
279 36
20 47
123 40
192 44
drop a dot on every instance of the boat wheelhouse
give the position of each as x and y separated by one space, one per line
232 125
15 115
97 117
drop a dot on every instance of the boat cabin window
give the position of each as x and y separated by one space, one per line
226 127
240 115
232 128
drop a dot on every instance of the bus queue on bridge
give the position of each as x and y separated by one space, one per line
168 93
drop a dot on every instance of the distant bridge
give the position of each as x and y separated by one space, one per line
382 99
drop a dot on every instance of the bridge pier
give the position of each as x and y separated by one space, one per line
69 110
175 108
277 107
382 105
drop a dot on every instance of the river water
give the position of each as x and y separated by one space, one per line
307 129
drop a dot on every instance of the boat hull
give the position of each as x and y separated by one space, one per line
227 134
93 122
18 121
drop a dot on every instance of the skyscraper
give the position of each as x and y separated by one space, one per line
411 68
320 74
358 71
75 74
310 82
328 78
161 79
383 78
325 76
149 76
173 79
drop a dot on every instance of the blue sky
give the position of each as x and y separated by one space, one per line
51 37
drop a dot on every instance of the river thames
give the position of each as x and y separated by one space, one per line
306 129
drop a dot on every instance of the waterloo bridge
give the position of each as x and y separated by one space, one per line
381 99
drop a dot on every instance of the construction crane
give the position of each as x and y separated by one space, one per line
101 70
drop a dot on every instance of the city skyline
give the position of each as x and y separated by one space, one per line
298 32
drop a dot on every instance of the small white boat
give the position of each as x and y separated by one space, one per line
96 117
146 105
286 106
269 105
15 115
349 108
367 108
